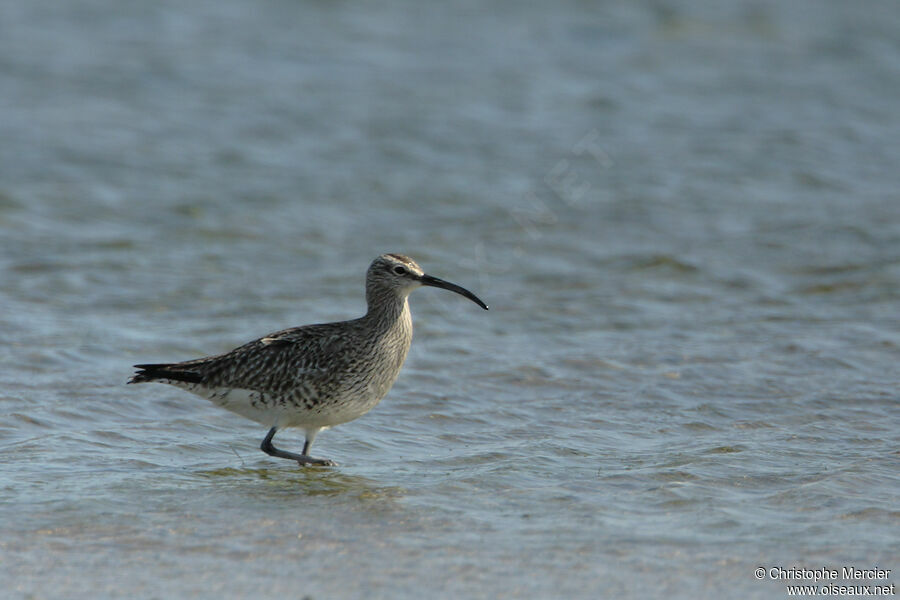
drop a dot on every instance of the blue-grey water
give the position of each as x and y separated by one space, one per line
684 214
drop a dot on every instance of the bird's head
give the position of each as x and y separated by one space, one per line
402 275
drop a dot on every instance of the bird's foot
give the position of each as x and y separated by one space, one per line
309 461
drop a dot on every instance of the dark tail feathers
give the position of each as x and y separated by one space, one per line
171 371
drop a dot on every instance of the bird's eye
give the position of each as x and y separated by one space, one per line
399 270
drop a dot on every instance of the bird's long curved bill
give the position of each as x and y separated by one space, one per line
440 283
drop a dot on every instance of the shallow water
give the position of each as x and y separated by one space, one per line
684 216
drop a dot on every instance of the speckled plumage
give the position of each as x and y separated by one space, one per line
315 376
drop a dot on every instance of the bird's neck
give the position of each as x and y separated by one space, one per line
386 308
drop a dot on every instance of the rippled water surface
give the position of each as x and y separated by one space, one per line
684 215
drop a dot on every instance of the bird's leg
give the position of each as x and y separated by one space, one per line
271 450
306 459
303 459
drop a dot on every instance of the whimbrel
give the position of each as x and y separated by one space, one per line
316 376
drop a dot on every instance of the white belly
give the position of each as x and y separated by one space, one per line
286 412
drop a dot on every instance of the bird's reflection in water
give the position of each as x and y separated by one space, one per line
308 481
